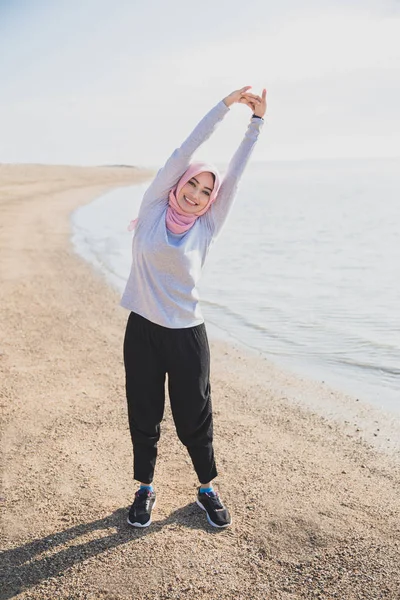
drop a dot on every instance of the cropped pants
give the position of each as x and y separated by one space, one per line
150 352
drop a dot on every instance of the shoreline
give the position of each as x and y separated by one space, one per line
361 419
100 237
364 419
315 506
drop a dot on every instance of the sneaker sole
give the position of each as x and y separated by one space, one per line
141 524
208 517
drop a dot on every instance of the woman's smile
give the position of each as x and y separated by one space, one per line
189 201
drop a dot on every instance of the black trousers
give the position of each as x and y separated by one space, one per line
150 352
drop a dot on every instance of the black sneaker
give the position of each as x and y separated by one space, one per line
217 514
140 511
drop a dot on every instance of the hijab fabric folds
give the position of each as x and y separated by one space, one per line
177 220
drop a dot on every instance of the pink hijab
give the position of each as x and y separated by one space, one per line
176 219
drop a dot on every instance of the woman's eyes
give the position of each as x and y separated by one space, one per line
204 191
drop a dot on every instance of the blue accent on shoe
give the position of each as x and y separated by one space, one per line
207 490
149 488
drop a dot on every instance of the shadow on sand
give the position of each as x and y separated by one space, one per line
23 568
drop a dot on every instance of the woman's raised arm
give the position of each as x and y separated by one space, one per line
168 176
220 208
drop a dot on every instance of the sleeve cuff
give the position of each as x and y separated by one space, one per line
223 107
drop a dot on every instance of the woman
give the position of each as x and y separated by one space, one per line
181 213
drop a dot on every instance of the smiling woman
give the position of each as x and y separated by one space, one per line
196 193
181 213
191 198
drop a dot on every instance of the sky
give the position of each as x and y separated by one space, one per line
91 82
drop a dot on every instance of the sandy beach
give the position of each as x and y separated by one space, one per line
315 501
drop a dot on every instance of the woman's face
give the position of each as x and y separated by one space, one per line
195 194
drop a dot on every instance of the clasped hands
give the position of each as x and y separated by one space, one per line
258 104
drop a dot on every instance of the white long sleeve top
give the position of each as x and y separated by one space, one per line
166 267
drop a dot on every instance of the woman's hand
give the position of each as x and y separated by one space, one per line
260 108
256 103
242 96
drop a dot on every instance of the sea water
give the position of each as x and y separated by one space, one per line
305 271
